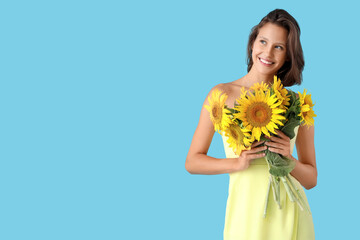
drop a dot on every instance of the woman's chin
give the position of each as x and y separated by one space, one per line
263 71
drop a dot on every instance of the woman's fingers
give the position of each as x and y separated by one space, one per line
274 144
257 143
280 144
282 135
257 149
281 138
257 152
276 139
256 155
247 156
276 150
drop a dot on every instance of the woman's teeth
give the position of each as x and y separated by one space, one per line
264 61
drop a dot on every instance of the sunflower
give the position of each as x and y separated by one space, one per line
238 139
227 118
260 113
307 114
263 86
281 93
216 108
243 92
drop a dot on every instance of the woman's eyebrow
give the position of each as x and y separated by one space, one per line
275 43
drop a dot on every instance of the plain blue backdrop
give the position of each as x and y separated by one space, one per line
100 100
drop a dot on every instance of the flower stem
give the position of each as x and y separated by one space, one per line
277 191
267 197
299 194
296 193
273 187
288 189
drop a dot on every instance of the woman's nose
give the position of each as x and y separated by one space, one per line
269 51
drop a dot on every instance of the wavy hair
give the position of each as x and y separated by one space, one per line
291 72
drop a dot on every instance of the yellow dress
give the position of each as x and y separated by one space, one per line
246 201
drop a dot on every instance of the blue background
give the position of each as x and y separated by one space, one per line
100 100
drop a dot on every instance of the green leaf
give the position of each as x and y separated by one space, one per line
292 96
263 138
272 92
280 171
279 166
232 110
288 128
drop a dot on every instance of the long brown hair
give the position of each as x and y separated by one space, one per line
291 72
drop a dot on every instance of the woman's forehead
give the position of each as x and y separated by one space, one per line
273 33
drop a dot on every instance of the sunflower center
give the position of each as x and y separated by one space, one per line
259 114
233 133
215 111
236 134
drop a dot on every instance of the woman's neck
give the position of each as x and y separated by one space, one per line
253 77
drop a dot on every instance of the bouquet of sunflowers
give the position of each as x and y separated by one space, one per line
256 113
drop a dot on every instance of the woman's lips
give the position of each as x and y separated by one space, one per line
265 62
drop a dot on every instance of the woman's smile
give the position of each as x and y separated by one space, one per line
265 62
269 49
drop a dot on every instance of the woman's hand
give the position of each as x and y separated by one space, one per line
279 144
247 156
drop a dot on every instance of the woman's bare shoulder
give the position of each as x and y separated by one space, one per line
221 86
228 87
231 89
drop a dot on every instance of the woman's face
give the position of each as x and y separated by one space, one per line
269 49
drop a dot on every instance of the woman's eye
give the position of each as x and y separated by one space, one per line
280 47
262 41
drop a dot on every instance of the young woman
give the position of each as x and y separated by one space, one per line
274 48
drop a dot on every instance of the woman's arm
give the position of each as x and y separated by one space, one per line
305 170
197 161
